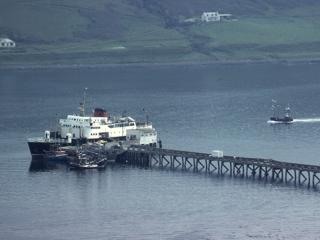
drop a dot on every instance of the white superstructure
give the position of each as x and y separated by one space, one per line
93 128
98 126
144 136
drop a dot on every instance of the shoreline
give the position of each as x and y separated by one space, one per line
160 64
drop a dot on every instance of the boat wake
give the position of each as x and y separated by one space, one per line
306 120
298 120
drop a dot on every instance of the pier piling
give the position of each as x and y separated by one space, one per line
267 169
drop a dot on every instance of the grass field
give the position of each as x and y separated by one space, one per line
137 31
260 37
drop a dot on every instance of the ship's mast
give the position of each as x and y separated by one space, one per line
288 111
83 104
274 107
147 115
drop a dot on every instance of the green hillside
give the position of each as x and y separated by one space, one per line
139 31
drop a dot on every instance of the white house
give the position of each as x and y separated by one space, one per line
213 16
210 17
7 43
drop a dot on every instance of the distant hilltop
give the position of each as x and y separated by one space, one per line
131 31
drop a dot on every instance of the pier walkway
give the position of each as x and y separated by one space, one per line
256 168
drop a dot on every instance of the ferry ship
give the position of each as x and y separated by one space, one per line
80 129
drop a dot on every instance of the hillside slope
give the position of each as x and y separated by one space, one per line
126 31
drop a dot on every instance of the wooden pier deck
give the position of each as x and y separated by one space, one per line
256 168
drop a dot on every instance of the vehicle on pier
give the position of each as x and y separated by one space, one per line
286 119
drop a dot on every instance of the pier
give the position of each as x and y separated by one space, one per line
233 166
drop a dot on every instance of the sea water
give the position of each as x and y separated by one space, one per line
196 108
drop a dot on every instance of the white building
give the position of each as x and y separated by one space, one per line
7 43
210 17
213 16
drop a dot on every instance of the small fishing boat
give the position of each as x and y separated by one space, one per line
83 165
286 119
85 161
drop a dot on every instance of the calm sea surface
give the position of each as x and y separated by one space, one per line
199 108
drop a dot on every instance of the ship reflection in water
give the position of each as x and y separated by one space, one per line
38 165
